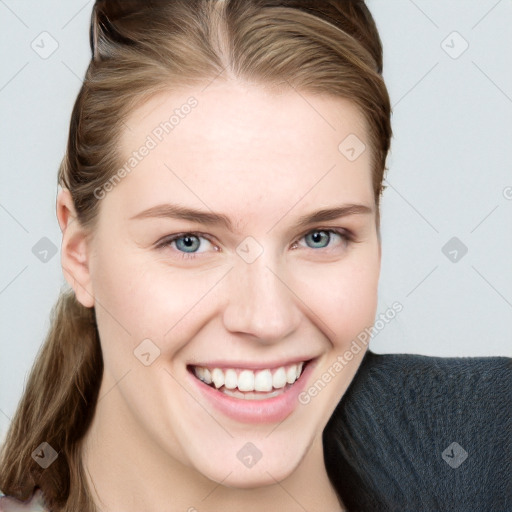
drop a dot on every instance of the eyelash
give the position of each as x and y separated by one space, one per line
347 238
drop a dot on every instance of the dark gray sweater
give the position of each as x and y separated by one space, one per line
417 433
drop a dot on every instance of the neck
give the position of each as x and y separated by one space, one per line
127 471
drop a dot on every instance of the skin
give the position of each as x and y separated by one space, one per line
263 159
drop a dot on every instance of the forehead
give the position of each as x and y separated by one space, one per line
259 145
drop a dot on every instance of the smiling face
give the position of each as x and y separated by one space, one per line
259 285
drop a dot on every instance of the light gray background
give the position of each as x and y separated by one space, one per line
449 174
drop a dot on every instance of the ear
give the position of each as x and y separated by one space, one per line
75 250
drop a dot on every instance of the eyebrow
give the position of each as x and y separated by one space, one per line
175 211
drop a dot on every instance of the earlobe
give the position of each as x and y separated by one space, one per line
75 250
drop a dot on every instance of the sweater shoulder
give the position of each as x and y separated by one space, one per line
417 378
412 430
428 396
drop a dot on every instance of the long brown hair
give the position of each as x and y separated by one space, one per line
140 48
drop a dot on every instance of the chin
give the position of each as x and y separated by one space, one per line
244 478
276 463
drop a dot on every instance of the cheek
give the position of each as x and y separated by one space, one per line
344 298
343 295
141 298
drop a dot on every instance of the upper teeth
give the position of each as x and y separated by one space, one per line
248 380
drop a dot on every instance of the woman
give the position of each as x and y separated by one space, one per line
220 220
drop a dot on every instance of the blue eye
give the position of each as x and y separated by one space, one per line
187 244
320 237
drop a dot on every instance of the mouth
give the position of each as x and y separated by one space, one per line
248 384
252 394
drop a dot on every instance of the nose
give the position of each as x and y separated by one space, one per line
261 301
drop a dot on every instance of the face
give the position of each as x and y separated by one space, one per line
207 319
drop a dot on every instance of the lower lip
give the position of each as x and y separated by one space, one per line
270 410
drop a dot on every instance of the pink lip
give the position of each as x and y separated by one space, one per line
251 366
271 410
